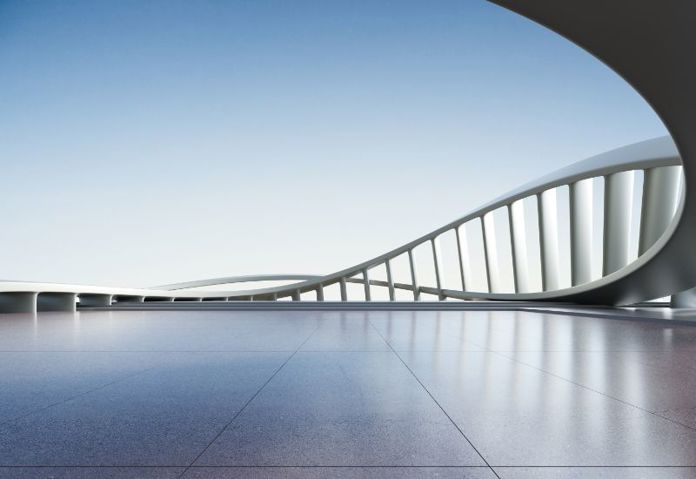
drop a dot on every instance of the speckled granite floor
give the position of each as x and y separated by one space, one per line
364 394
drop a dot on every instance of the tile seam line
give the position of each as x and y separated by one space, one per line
71 398
338 466
291 466
249 401
622 401
434 400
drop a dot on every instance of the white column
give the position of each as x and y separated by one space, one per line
618 205
366 279
435 243
462 253
488 233
581 201
660 198
548 240
414 277
390 280
344 289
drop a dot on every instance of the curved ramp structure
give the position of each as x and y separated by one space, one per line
613 229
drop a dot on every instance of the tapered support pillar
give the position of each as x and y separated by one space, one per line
344 289
18 302
685 299
56 302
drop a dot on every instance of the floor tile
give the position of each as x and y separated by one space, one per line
345 331
596 472
654 381
158 331
519 416
90 472
342 409
430 330
165 416
154 388
527 331
31 381
339 473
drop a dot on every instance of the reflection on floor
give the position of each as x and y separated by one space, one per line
396 394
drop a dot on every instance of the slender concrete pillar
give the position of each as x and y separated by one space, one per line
19 302
56 302
414 276
464 260
437 263
344 289
366 282
390 281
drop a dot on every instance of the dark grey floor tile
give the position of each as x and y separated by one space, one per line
527 331
345 408
31 381
654 381
519 416
158 331
686 415
345 331
90 472
342 409
163 417
596 472
430 330
339 473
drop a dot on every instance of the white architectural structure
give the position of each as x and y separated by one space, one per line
553 242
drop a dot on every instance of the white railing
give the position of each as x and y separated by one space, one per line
579 228
652 165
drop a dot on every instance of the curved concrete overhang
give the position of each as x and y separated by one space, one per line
651 44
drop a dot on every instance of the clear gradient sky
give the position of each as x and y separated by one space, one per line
145 142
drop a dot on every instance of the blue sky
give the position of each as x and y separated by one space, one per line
150 142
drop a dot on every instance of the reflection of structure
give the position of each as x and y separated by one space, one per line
644 254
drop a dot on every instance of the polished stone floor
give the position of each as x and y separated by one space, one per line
400 394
